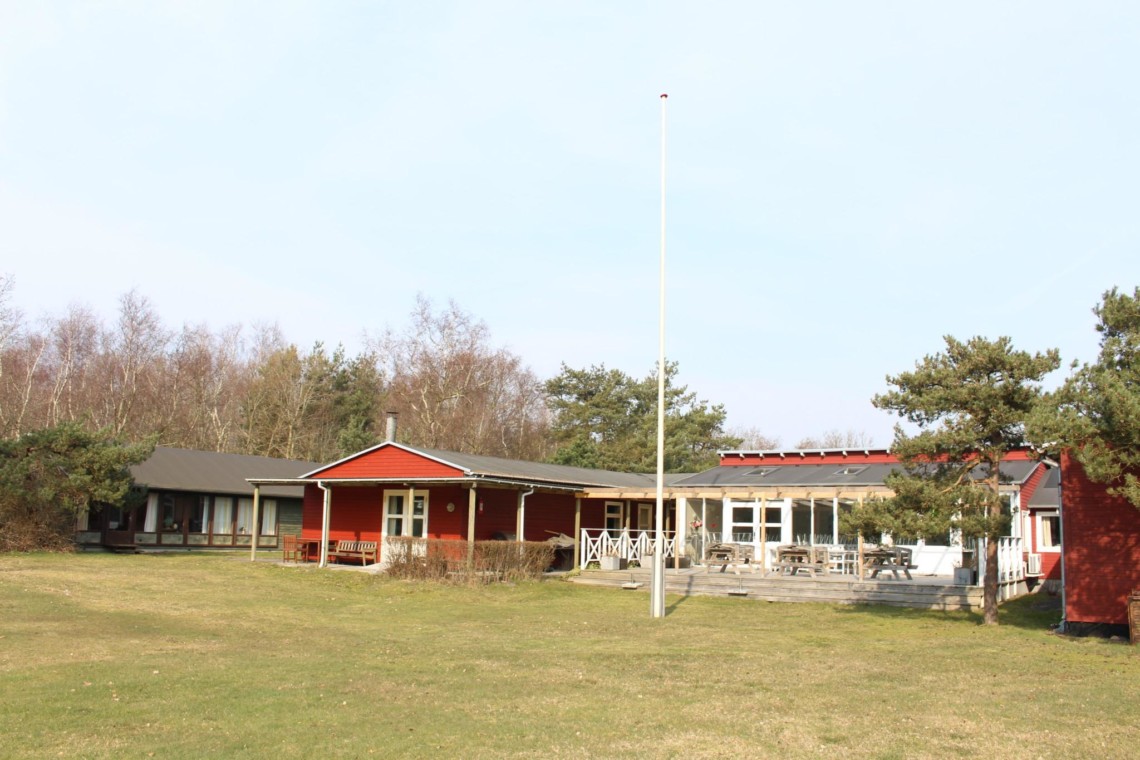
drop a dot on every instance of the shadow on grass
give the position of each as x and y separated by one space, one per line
1033 612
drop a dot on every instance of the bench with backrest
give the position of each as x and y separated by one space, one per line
365 551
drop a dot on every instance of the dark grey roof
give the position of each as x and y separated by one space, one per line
514 469
823 475
174 469
1048 493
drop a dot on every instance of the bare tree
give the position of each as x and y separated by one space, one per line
752 439
455 391
833 439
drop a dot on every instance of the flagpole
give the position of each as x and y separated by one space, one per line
657 584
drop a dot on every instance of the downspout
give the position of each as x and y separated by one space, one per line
521 522
325 524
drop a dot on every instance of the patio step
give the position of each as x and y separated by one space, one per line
922 593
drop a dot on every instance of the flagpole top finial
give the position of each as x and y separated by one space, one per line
664 95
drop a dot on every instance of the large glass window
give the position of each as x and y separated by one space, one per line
269 517
245 515
744 523
223 515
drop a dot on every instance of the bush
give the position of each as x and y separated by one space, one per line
447 560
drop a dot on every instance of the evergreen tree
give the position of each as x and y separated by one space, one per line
970 405
605 419
49 477
1097 411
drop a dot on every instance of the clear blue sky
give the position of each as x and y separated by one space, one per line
848 182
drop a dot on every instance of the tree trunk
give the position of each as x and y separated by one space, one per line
990 582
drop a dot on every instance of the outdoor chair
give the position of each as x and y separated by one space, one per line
292 550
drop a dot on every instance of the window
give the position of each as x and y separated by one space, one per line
269 517
223 515
613 516
1049 532
402 519
853 470
762 471
245 515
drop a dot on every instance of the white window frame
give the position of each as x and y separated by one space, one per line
644 516
407 512
613 512
1040 532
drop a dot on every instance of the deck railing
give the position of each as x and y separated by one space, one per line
1011 571
630 545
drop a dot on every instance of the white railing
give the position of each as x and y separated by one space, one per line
630 545
1011 571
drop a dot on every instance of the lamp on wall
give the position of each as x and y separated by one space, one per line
450 506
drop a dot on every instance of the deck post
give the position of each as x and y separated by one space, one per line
577 531
764 533
325 512
471 529
254 529
681 507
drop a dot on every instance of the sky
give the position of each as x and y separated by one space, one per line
847 183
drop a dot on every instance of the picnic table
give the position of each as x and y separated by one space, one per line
890 559
725 554
791 559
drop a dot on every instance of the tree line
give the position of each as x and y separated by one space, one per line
251 391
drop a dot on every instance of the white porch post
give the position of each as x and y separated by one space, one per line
835 519
471 505
682 534
327 508
764 533
725 528
811 521
256 523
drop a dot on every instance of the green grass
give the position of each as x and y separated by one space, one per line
193 656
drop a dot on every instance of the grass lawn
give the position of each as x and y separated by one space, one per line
192 656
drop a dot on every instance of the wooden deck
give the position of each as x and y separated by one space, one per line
924 592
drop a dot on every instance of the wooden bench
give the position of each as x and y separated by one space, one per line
365 551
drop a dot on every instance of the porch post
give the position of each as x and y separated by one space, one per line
859 506
471 529
256 530
577 530
520 526
325 524
725 534
835 519
811 521
682 509
764 533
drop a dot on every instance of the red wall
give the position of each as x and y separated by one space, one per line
388 462
357 512
873 456
1101 543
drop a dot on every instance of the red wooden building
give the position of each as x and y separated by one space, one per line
1101 552
394 490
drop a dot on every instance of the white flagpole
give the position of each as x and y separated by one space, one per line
657 585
